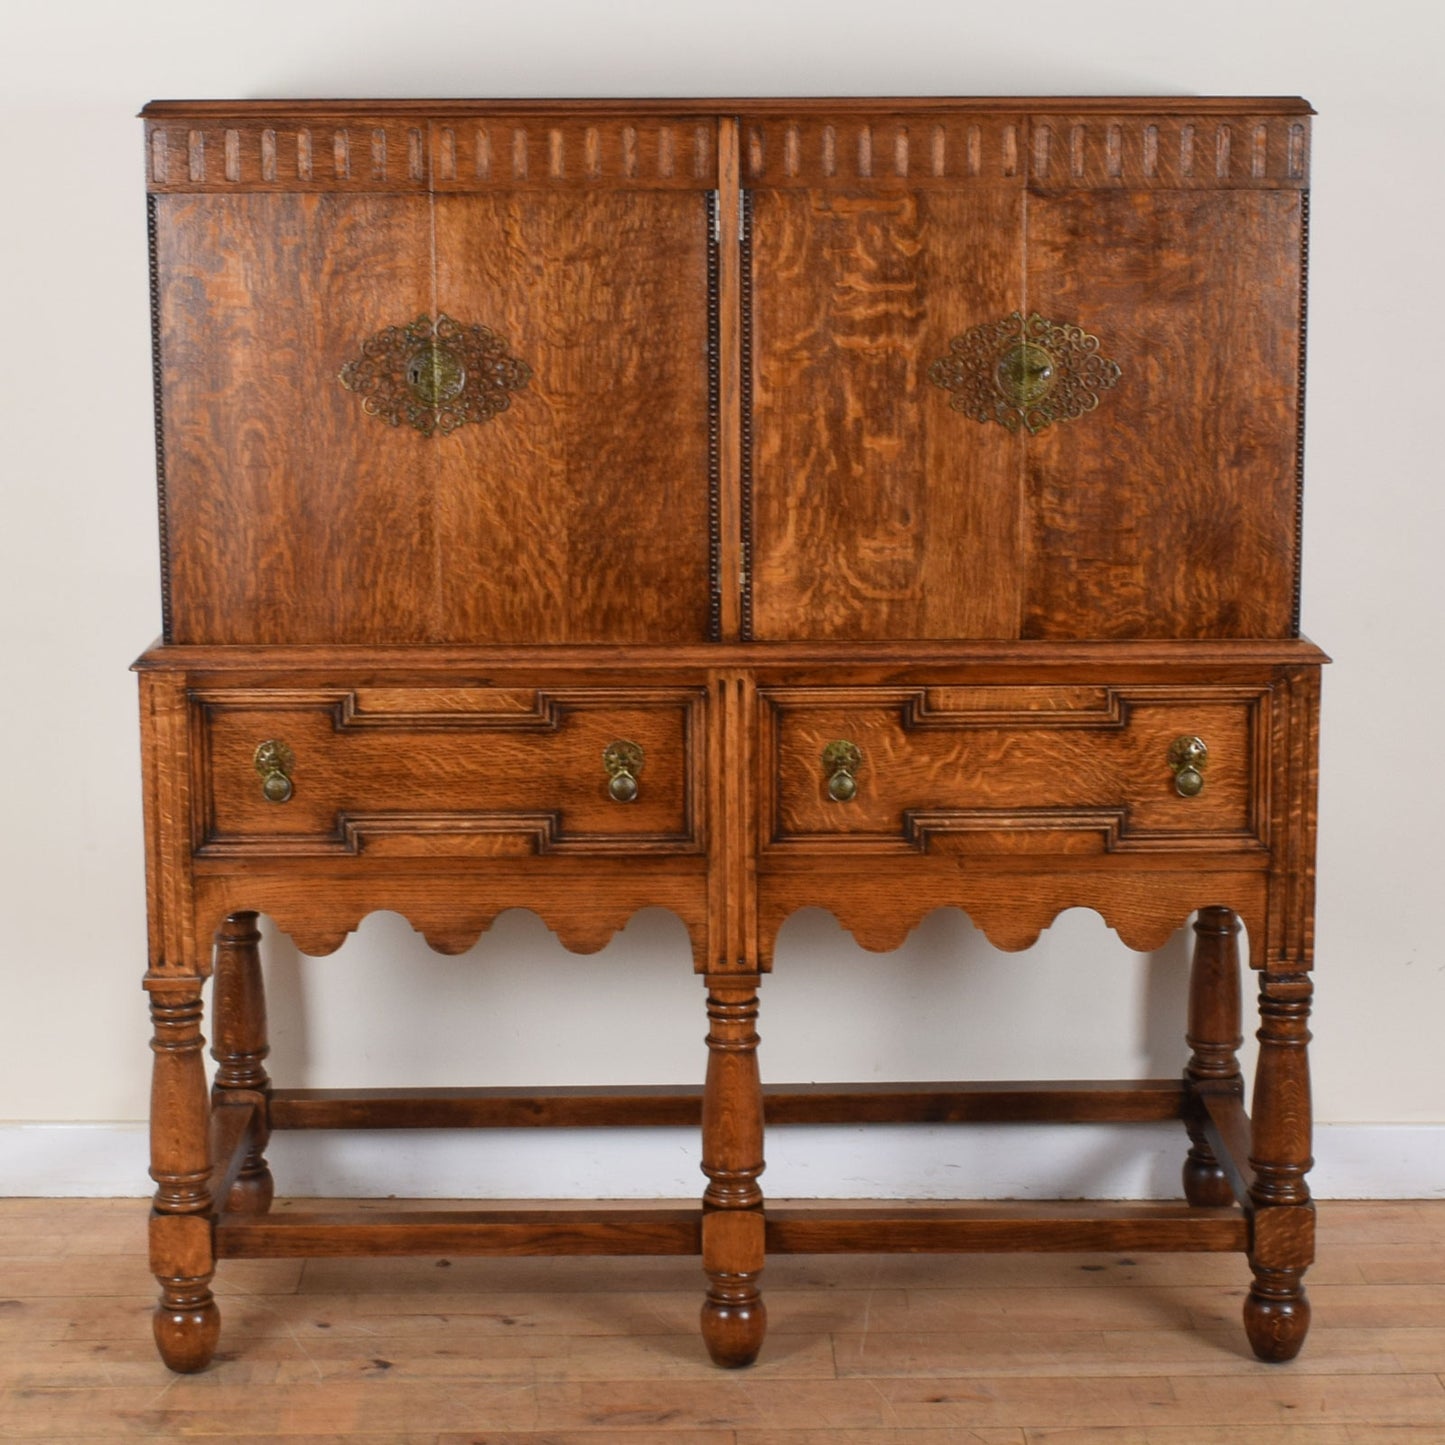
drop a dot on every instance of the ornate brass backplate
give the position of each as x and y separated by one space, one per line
1027 372
623 761
435 375
275 761
841 761
1188 757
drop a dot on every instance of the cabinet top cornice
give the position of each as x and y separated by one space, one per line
458 145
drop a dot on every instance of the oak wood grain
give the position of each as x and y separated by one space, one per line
1213 1072
728 515
647 1105
1015 769
292 515
987 661
602 464
370 776
1169 511
240 1049
879 513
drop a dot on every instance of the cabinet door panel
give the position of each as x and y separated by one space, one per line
581 514
1169 511
879 512
293 516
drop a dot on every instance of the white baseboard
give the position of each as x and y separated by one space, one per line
994 1161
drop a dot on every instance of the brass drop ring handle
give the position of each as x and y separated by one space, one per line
623 761
275 762
1188 758
841 761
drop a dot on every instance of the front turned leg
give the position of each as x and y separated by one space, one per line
1213 1037
1277 1313
187 1323
733 1316
240 1049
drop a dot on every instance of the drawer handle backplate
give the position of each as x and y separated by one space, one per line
1188 758
623 761
841 761
275 762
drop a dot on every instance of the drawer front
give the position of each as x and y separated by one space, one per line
436 772
989 771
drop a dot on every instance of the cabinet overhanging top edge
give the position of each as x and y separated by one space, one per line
754 105
1142 653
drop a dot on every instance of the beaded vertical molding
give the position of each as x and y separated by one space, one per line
1299 449
714 422
158 389
745 357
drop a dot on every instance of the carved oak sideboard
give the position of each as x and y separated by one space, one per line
730 507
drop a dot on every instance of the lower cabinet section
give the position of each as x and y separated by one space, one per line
732 786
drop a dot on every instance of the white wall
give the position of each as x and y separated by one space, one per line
78 563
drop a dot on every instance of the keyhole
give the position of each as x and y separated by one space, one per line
435 375
1025 373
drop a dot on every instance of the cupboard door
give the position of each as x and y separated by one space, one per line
922 468
1175 502
582 514
877 511
447 380
292 515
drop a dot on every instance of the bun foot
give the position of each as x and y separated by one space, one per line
1206 1186
187 1332
733 1330
1277 1315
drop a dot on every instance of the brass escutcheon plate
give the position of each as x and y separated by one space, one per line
1024 372
435 376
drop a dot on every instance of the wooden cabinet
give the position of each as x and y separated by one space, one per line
730 507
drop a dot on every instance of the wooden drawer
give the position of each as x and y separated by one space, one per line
1014 770
436 772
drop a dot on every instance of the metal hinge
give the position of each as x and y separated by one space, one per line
717 217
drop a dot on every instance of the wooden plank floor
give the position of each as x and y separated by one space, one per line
862 1350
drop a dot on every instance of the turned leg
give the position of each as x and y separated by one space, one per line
187 1323
240 1049
733 1316
1213 1037
1277 1314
